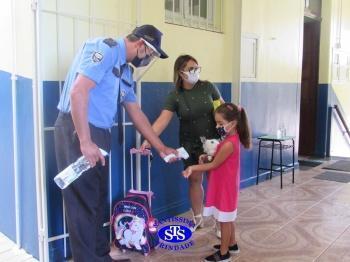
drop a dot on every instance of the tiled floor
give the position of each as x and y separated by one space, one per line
305 221
9 252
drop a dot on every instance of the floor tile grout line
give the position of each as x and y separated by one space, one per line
331 244
293 219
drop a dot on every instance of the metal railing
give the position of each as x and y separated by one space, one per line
340 115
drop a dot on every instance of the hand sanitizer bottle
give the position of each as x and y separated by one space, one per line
73 171
283 130
278 133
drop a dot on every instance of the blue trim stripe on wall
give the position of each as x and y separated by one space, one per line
54 195
26 155
26 163
7 199
268 105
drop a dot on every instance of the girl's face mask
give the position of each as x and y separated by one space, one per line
223 130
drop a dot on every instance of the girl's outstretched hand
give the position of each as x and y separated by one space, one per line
187 172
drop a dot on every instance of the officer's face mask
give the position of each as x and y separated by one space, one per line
144 61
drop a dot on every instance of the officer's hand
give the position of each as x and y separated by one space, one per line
167 151
92 153
145 145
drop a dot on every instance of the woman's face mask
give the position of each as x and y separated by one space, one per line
192 73
192 78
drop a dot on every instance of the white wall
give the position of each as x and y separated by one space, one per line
279 28
23 35
24 38
6 47
67 24
213 50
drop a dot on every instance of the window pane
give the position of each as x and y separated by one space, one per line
177 6
169 5
204 8
204 14
195 4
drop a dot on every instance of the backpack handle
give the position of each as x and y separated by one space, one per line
145 152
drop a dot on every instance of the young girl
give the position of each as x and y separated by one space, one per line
224 176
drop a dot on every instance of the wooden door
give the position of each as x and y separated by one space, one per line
309 84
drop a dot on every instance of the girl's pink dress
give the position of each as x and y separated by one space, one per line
223 185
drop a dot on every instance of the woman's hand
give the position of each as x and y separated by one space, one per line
187 172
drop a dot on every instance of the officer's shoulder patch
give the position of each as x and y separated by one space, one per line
97 57
110 42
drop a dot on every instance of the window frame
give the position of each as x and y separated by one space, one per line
185 16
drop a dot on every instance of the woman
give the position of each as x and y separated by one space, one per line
193 101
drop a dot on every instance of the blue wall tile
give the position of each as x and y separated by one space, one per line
54 195
56 251
51 96
225 90
268 105
7 187
27 165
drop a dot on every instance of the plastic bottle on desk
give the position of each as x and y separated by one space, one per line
74 171
278 133
283 131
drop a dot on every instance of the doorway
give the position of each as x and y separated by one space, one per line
309 85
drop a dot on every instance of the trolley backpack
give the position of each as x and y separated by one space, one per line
132 221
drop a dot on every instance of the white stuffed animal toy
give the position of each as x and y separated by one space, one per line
209 146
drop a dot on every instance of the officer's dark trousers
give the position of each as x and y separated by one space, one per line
86 198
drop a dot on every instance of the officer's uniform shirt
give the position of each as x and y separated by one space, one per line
104 62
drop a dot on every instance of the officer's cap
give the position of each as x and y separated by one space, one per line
152 36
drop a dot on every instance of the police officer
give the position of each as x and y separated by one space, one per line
99 79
